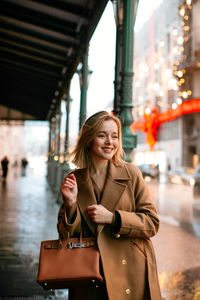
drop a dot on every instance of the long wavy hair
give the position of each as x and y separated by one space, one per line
80 156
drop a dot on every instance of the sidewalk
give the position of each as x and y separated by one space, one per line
28 214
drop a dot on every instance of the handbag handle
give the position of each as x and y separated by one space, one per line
80 244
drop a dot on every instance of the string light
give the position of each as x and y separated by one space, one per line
174 105
173 77
189 2
180 40
186 28
182 11
179 101
180 73
175 50
181 49
148 111
175 32
185 94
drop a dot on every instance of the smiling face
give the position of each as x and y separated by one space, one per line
106 141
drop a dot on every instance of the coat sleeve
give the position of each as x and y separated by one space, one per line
144 221
66 229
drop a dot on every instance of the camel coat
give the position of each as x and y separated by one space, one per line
128 257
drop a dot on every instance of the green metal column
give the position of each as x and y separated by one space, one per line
65 169
58 124
49 163
118 65
50 132
57 166
129 140
68 99
84 86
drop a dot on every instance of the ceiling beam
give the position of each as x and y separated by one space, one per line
40 19
25 66
31 57
62 13
30 75
80 9
33 41
38 32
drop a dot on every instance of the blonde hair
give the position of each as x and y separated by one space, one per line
80 156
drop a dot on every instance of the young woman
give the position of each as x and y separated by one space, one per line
108 198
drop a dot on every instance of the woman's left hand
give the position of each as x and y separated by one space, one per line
99 214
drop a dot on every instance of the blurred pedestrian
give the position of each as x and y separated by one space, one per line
108 198
24 163
4 166
169 166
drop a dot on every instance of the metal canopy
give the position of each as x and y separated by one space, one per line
41 42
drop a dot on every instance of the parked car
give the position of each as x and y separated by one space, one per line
182 175
149 170
196 188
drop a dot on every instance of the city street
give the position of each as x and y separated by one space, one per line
29 215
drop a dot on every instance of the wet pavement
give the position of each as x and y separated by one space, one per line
28 215
177 244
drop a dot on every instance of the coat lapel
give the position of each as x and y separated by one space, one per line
115 186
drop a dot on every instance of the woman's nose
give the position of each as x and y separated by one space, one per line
108 140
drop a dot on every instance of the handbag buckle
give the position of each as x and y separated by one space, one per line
74 245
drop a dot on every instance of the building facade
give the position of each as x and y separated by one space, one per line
167 73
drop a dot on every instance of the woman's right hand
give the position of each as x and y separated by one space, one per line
69 191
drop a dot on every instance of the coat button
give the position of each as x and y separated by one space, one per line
117 235
128 291
123 261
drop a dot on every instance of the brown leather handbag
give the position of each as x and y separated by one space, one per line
68 263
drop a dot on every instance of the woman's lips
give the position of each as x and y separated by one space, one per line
107 149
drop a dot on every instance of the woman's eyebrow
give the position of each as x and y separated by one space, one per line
102 131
